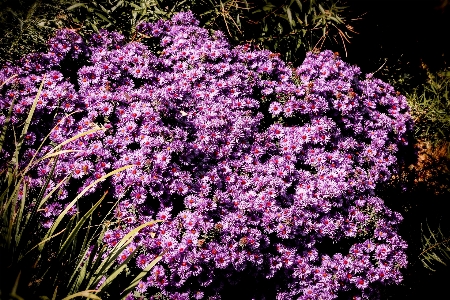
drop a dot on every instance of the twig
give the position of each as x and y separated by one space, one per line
385 61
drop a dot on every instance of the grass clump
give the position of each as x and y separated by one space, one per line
430 107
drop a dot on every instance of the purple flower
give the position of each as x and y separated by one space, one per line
236 189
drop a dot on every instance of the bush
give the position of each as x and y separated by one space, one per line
291 28
257 169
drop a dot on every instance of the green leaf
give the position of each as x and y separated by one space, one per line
91 131
118 249
67 229
101 16
299 44
96 254
84 191
7 80
321 9
86 240
279 28
44 199
86 294
289 15
5 125
137 7
94 27
95 263
141 275
117 5
48 155
103 9
80 223
21 209
268 7
334 19
297 17
27 122
14 289
116 272
81 270
76 5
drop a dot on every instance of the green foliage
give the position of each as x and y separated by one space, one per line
67 260
25 26
120 15
399 74
435 248
430 108
290 27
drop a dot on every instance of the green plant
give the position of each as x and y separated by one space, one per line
41 260
120 15
435 248
430 108
25 26
398 74
290 27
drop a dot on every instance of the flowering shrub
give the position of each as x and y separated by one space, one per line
252 165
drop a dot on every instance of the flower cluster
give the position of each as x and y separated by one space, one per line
252 165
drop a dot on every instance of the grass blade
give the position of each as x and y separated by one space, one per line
80 223
118 249
21 209
84 191
14 289
117 271
141 275
45 240
86 294
5 125
15 156
8 118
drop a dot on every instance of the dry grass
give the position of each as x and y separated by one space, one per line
433 166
